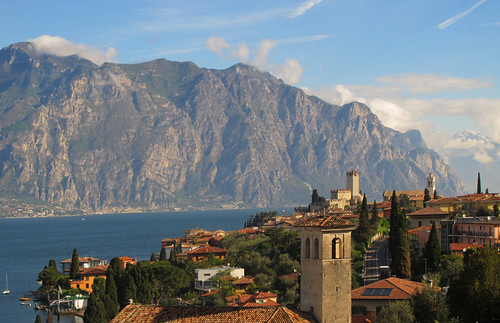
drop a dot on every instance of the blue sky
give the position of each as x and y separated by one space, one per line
425 64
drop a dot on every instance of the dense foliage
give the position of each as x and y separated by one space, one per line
475 296
260 219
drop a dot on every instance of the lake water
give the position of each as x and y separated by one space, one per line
27 245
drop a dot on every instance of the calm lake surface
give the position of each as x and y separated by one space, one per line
26 245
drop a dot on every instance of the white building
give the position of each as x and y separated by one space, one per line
204 277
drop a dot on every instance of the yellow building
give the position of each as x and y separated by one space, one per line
466 204
88 275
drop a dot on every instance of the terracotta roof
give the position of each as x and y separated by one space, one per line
244 280
95 271
205 250
187 314
326 222
428 211
82 259
462 246
263 295
401 289
267 303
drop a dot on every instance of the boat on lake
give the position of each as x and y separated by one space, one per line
6 291
24 299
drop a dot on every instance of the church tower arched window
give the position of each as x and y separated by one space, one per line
336 248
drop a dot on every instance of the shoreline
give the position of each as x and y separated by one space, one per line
139 212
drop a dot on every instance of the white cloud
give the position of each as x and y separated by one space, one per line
303 7
430 83
389 100
242 52
217 44
55 45
262 52
290 72
482 157
454 19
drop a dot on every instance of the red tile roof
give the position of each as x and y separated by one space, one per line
459 247
429 211
326 222
187 314
401 289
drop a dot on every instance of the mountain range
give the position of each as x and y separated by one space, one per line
172 135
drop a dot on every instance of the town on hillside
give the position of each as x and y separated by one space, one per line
414 255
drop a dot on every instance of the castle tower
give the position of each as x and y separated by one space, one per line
431 183
325 283
352 184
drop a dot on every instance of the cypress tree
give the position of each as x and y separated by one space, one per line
375 217
427 196
52 263
479 183
142 283
130 292
435 195
363 229
163 254
432 250
111 299
74 271
38 319
393 222
153 257
95 312
173 254
496 212
399 245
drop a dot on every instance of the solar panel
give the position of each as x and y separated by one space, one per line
377 292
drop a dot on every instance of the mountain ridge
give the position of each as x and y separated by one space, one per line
167 135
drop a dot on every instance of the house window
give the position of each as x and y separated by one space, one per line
359 310
308 248
86 285
207 274
316 248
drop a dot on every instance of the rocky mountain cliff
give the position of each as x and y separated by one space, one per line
169 135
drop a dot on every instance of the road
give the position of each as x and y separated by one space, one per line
376 255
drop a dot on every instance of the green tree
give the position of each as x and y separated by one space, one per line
475 296
496 212
451 266
432 250
429 306
375 218
111 299
436 196
95 312
38 319
74 270
52 263
399 244
130 292
427 196
163 254
142 282
362 232
395 312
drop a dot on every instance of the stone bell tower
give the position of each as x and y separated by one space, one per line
325 283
